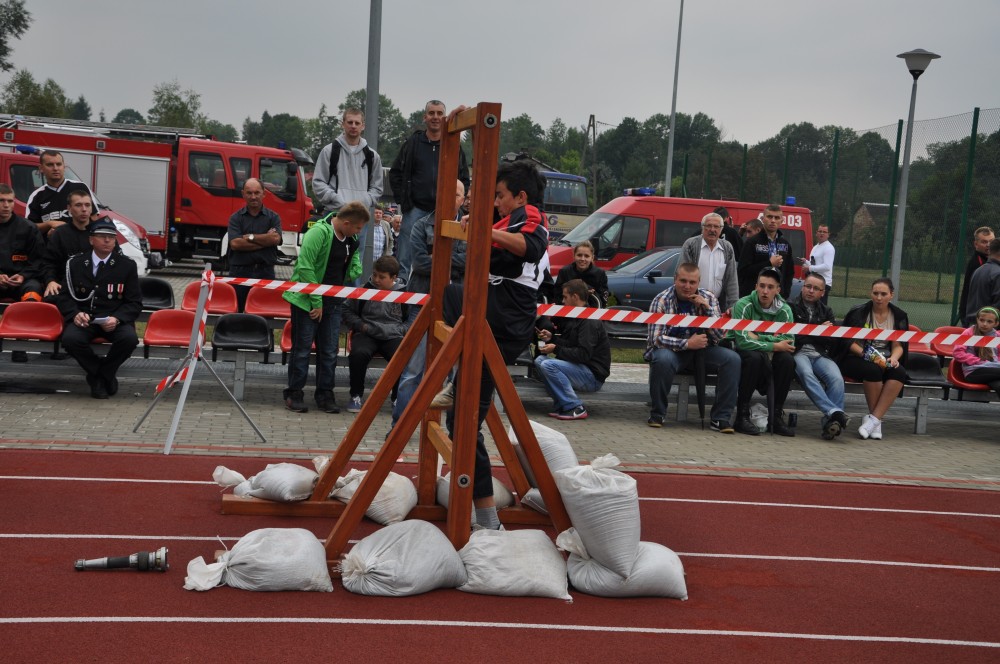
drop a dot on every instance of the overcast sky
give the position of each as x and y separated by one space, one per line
752 66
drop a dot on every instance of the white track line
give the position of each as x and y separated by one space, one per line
496 625
735 556
822 507
665 500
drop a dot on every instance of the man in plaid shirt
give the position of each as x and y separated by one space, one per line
672 349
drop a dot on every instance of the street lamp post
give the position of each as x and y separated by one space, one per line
917 62
673 107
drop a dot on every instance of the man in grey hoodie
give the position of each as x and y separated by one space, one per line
356 174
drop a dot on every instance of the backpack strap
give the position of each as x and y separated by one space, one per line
335 162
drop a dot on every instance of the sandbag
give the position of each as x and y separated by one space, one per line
555 448
403 559
603 506
267 559
514 563
391 504
502 496
285 482
657 571
533 499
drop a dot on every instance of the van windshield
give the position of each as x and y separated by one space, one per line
588 228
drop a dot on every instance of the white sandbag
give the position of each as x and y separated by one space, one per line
657 571
405 558
555 448
266 559
603 506
391 504
514 563
533 499
227 478
502 496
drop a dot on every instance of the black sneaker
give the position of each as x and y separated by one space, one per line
745 426
295 401
97 388
578 413
721 427
655 421
19 356
326 403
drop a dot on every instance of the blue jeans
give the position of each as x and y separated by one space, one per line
821 379
665 364
326 335
561 378
405 253
410 379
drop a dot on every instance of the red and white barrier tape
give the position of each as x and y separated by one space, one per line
182 372
639 317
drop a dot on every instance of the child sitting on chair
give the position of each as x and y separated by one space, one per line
376 327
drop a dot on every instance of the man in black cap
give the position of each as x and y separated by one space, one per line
101 299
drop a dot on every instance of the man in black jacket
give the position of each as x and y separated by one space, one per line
768 248
101 298
980 254
20 252
818 374
65 241
414 173
582 356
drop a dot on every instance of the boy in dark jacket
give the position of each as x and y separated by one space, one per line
814 367
376 327
768 248
582 356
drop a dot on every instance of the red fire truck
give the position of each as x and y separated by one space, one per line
180 186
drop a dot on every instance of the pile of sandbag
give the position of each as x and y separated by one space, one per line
607 557
403 559
502 496
266 559
394 500
558 455
284 482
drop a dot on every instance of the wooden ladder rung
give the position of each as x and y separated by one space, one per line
438 437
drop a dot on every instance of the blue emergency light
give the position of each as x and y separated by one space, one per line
27 149
639 191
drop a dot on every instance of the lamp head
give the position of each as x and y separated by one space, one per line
917 61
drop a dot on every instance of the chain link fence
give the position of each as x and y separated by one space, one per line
849 179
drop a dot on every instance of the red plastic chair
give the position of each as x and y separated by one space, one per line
916 347
169 328
223 298
33 321
943 349
955 378
268 303
286 342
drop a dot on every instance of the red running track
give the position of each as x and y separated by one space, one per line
777 571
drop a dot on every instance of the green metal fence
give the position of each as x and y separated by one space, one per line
849 179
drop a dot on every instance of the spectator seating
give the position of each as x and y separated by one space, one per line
956 378
923 349
268 303
157 294
32 322
168 328
223 299
242 332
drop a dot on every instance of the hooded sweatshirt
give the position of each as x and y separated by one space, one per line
748 308
351 181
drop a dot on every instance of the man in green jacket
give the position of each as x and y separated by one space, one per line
767 358
329 255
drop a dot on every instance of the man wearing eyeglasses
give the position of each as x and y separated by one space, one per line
820 260
818 374
769 248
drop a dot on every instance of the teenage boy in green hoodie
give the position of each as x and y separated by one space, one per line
329 255
766 357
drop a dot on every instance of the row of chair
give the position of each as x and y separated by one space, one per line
158 295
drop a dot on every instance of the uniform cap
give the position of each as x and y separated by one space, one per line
103 226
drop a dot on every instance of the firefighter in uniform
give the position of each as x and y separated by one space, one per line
101 300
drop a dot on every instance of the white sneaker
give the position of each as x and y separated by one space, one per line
876 433
445 398
868 424
355 405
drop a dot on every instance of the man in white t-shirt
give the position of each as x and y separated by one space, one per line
821 259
